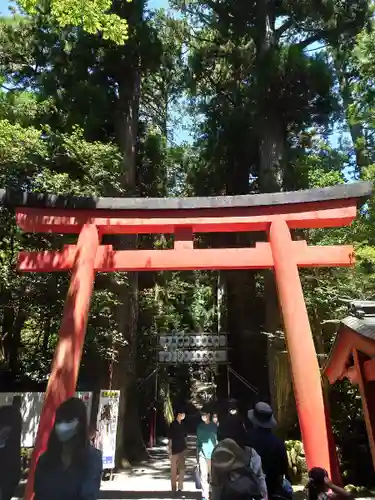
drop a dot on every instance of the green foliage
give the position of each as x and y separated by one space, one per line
92 15
296 461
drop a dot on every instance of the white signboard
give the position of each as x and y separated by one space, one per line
31 409
107 426
190 348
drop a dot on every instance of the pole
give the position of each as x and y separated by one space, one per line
65 366
304 363
155 406
244 381
335 465
228 382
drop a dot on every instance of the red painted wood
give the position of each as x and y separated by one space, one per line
66 362
282 253
351 374
303 360
334 461
184 259
183 238
336 366
367 390
369 370
311 215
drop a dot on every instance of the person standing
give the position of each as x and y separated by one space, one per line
10 448
71 468
177 450
206 442
320 487
231 426
270 448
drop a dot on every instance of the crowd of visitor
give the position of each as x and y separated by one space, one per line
236 460
239 460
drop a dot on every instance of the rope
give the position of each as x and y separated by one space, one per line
244 381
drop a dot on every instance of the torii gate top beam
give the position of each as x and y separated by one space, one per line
355 190
325 207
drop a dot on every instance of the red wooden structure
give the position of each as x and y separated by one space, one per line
353 357
276 214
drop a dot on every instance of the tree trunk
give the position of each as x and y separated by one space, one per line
15 342
46 333
271 141
355 129
130 445
271 146
271 149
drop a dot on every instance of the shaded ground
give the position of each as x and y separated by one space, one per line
155 475
151 480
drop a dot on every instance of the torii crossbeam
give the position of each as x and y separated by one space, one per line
275 213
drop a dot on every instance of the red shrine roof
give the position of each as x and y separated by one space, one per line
356 331
356 190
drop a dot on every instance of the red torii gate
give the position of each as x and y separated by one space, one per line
275 213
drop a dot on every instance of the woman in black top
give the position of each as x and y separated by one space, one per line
71 467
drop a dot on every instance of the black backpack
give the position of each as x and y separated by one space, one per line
241 484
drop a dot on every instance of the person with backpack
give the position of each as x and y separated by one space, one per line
236 473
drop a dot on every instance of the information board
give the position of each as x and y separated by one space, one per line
31 409
107 426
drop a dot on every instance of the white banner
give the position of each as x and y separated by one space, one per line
31 409
201 357
107 426
187 340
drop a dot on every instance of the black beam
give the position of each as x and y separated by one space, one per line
358 190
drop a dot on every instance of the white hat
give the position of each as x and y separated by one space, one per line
262 416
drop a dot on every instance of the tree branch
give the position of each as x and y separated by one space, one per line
311 39
283 28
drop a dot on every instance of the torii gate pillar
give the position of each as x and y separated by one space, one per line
303 360
66 362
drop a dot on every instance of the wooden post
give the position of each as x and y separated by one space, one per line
335 466
367 390
65 366
304 363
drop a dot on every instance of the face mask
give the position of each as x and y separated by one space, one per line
66 430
